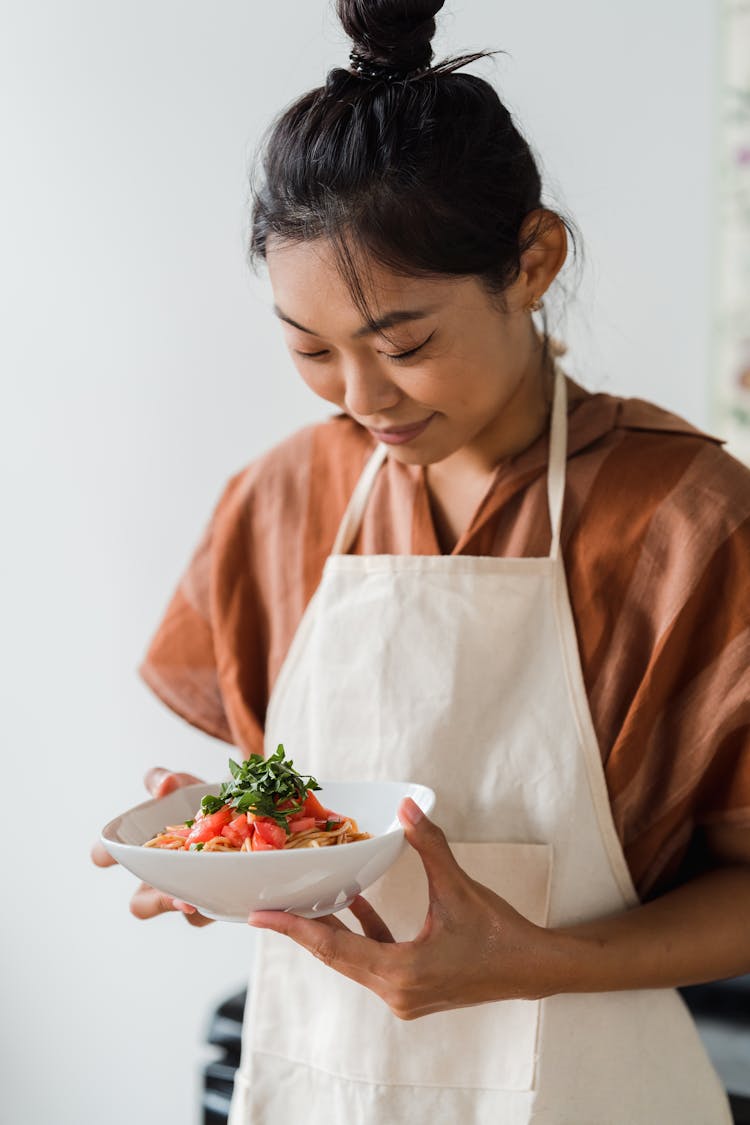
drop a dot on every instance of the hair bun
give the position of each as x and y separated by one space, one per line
396 33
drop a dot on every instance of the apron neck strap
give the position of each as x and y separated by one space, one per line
558 452
356 507
555 476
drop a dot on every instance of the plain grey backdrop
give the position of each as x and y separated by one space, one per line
141 366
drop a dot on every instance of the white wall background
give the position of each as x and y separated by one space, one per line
141 366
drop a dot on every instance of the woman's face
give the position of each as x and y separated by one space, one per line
452 374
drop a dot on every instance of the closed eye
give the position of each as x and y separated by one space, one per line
405 355
395 356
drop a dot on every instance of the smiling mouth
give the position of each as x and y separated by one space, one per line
401 435
402 429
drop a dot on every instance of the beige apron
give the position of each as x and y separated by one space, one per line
462 673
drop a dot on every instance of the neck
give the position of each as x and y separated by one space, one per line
524 417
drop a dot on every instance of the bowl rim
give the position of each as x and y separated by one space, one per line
106 833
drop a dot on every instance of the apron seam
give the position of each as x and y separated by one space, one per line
461 564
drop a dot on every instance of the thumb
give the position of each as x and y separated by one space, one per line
161 782
429 841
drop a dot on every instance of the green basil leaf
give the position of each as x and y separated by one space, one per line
261 784
211 804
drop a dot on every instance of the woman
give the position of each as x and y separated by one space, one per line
478 576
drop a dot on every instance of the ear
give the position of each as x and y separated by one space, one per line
543 260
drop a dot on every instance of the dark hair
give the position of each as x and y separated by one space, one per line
426 173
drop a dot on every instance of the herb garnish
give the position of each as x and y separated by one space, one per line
259 785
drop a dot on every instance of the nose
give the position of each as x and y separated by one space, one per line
368 390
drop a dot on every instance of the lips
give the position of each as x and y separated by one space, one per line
395 435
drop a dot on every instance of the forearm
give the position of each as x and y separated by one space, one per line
698 932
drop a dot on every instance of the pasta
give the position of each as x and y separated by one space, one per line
267 806
175 837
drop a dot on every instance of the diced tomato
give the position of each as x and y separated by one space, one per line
206 827
313 807
237 830
269 832
258 844
301 824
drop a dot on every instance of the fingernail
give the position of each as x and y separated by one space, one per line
411 811
165 786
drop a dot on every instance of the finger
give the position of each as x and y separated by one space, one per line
147 902
443 872
185 907
101 856
193 916
198 920
355 956
333 922
370 921
161 782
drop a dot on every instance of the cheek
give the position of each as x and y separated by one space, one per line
321 382
453 392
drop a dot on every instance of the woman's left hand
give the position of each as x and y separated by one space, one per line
473 947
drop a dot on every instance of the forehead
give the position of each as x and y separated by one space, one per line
310 269
308 287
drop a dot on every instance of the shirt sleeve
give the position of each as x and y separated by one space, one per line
681 761
186 662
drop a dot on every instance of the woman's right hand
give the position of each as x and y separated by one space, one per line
147 902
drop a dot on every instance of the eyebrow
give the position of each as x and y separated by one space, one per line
388 320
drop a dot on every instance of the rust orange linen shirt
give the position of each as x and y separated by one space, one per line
656 544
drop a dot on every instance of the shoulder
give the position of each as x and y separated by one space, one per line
598 418
702 473
658 517
282 480
642 416
648 457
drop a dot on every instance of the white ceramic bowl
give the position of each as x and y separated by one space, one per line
306 881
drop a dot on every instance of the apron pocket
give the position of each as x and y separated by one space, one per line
308 1013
